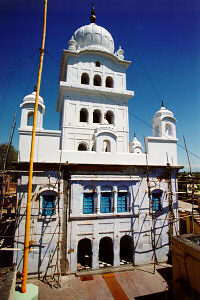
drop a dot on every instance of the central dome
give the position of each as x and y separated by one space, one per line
94 37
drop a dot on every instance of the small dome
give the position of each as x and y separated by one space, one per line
163 112
31 98
135 146
93 37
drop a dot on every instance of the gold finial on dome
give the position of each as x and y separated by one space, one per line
162 103
93 17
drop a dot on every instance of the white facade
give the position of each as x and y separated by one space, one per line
104 193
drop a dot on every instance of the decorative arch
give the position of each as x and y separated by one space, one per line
97 80
30 118
109 117
96 116
84 253
109 82
83 115
82 147
85 78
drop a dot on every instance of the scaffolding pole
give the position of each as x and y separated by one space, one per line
151 211
28 210
192 179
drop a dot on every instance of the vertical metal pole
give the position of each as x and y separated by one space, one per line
28 209
171 213
151 211
192 177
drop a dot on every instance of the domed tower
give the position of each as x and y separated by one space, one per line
162 147
135 146
27 113
164 123
93 100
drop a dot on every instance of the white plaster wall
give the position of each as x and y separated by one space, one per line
138 224
43 230
73 130
85 63
46 145
162 150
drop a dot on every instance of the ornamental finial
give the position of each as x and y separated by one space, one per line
35 88
162 104
93 17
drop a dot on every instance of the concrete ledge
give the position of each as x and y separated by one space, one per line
105 270
31 293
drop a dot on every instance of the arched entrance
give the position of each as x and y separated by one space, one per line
84 257
126 250
105 252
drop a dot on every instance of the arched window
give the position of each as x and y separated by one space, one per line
106 146
97 80
83 115
96 116
48 203
30 119
168 129
82 147
156 200
109 82
84 78
97 64
110 117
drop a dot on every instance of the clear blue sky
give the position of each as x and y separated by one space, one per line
160 37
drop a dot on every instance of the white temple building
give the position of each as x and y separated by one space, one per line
108 194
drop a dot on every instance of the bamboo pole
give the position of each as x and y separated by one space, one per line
192 178
151 211
28 210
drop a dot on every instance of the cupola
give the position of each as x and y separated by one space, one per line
135 146
164 123
27 107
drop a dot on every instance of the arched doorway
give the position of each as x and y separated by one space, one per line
84 256
105 252
126 250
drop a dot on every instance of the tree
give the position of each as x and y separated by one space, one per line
12 156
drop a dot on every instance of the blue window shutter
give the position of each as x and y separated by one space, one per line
105 202
122 205
48 205
88 203
156 201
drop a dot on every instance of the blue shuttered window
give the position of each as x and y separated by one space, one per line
88 203
105 202
156 201
48 205
122 205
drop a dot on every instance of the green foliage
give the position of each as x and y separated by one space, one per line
12 157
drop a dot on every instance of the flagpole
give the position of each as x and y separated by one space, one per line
28 208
